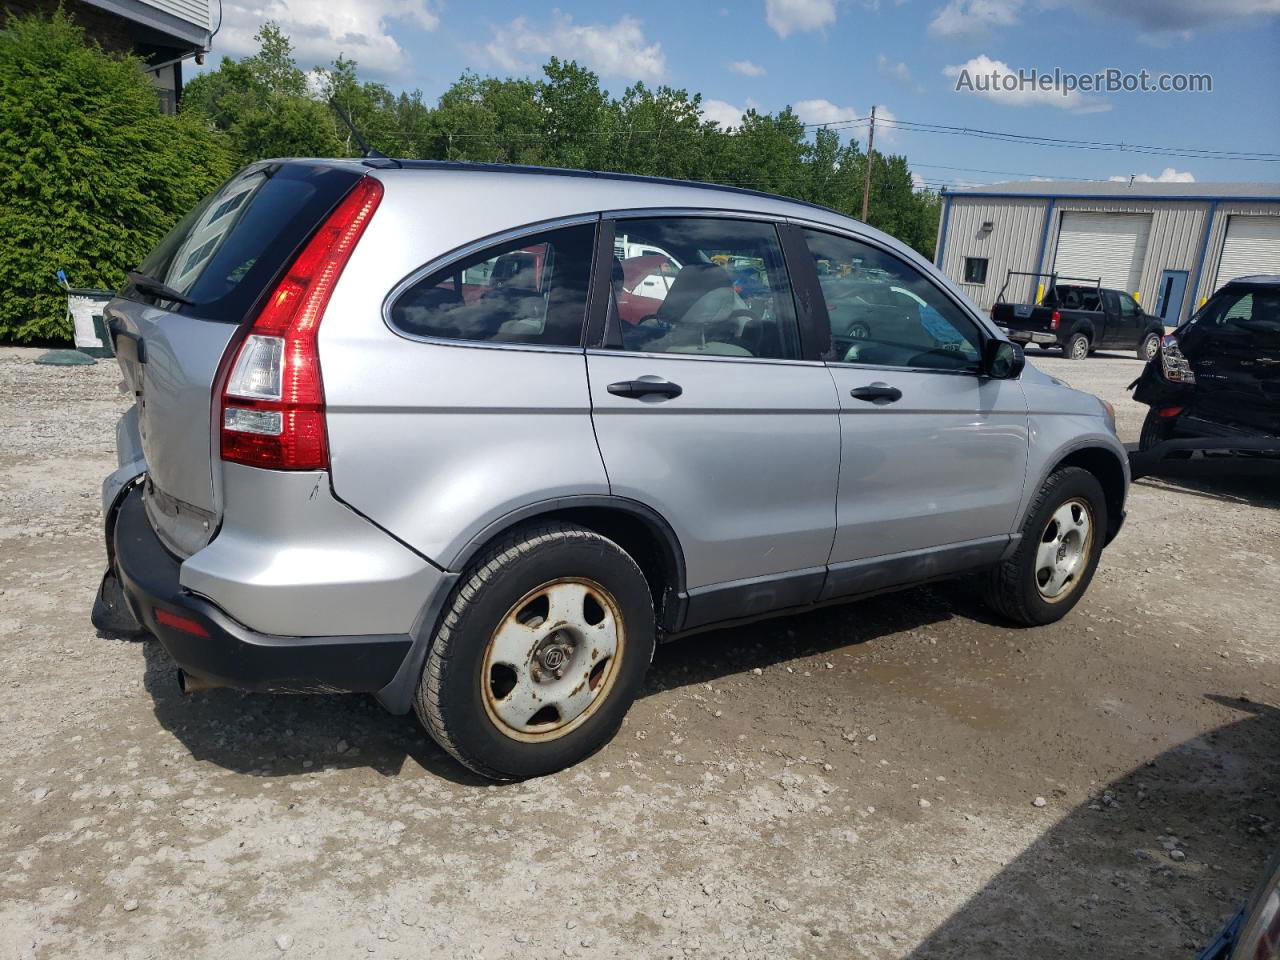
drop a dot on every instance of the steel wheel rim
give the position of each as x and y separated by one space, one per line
1151 347
553 658
1062 556
1079 349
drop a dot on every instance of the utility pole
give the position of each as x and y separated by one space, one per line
866 183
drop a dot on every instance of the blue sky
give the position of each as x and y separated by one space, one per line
832 59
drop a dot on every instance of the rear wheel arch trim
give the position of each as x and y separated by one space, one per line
652 519
397 696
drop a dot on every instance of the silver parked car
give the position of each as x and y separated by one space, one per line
422 430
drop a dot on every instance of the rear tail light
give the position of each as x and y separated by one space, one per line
273 401
1168 413
1055 320
1173 364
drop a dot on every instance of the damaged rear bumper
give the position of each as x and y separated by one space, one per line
208 644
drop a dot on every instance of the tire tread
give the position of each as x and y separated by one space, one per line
513 545
1001 584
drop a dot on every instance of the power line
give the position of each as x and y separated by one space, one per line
1190 153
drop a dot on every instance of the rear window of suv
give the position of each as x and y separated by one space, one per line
225 252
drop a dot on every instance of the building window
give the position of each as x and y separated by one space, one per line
975 269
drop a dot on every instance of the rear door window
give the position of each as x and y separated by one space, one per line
713 286
231 247
531 290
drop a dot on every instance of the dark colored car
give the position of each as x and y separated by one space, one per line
1080 318
1215 383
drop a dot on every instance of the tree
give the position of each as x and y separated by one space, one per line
268 106
658 133
91 173
262 104
487 120
574 110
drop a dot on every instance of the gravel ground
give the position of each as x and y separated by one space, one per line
905 777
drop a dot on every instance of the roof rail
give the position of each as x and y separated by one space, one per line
590 175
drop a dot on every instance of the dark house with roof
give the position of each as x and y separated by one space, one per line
162 32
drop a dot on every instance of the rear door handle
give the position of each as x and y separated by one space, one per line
645 387
879 393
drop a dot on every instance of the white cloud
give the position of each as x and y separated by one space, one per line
1167 175
993 79
899 73
797 16
725 114
747 68
967 19
613 49
824 111
358 29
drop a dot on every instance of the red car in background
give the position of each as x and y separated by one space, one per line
645 283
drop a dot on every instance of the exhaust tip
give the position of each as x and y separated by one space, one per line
189 684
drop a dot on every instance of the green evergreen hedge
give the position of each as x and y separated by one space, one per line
91 173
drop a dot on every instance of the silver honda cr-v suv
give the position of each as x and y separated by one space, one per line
474 439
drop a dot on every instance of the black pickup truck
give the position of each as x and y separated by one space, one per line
1079 316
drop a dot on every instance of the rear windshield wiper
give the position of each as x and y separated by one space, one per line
149 284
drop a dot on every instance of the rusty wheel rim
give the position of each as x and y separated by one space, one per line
1063 554
552 660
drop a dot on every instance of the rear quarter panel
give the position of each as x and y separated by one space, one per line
434 441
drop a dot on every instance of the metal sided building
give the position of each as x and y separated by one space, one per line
1169 244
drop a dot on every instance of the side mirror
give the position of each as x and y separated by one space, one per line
1003 360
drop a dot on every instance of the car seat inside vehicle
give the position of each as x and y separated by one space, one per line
700 314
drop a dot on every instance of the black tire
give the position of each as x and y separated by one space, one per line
450 700
1011 589
1149 346
1077 347
1154 431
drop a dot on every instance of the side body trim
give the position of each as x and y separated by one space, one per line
916 566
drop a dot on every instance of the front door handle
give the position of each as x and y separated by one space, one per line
645 387
878 393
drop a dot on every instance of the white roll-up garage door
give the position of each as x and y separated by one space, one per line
1252 246
1112 246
